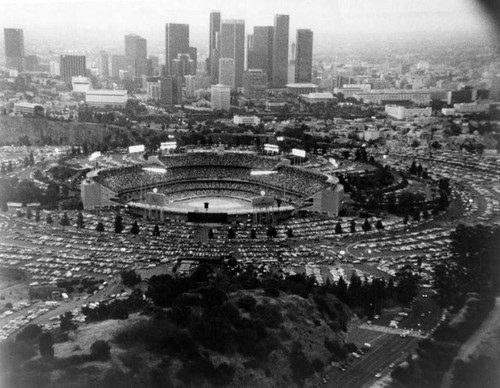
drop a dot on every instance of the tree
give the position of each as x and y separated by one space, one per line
32 158
366 226
338 228
231 233
416 216
118 223
29 213
156 231
353 226
289 233
135 228
79 221
49 219
37 215
379 225
100 350
67 323
100 227
406 285
272 232
65 220
46 344
253 233
130 278
413 168
210 234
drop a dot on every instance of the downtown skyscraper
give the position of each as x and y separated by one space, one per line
213 58
260 55
136 53
232 45
14 48
303 56
279 75
177 42
72 66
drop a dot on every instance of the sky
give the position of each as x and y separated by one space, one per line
107 21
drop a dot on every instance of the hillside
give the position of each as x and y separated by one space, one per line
201 334
40 131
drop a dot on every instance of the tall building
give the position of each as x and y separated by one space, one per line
72 66
177 42
291 65
183 65
254 84
193 54
117 64
212 39
495 88
220 96
232 45
226 72
31 62
104 64
171 90
153 66
190 81
263 49
250 53
280 51
14 48
135 55
303 57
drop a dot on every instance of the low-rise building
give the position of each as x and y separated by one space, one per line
402 113
105 97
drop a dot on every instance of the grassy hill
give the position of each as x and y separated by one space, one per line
40 131
224 332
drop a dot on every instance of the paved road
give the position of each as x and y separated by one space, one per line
386 349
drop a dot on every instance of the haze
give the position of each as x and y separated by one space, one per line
105 22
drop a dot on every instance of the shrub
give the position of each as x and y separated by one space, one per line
247 303
100 350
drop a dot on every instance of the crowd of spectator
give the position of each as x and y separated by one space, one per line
234 159
296 182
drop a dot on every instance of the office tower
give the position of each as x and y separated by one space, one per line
14 48
182 65
291 65
54 68
72 66
171 90
250 53
153 88
495 88
104 64
136 53
280 51
193 54
263 49
213 59
232 45
153 66
118 63
31 62
190 81
254 84
303 58
226 72
177 42
220 96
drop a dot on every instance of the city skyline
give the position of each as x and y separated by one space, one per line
57 18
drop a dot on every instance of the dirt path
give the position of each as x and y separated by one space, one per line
482 334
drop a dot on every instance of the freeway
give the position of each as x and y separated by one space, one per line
386 350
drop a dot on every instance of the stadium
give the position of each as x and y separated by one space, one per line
213 187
